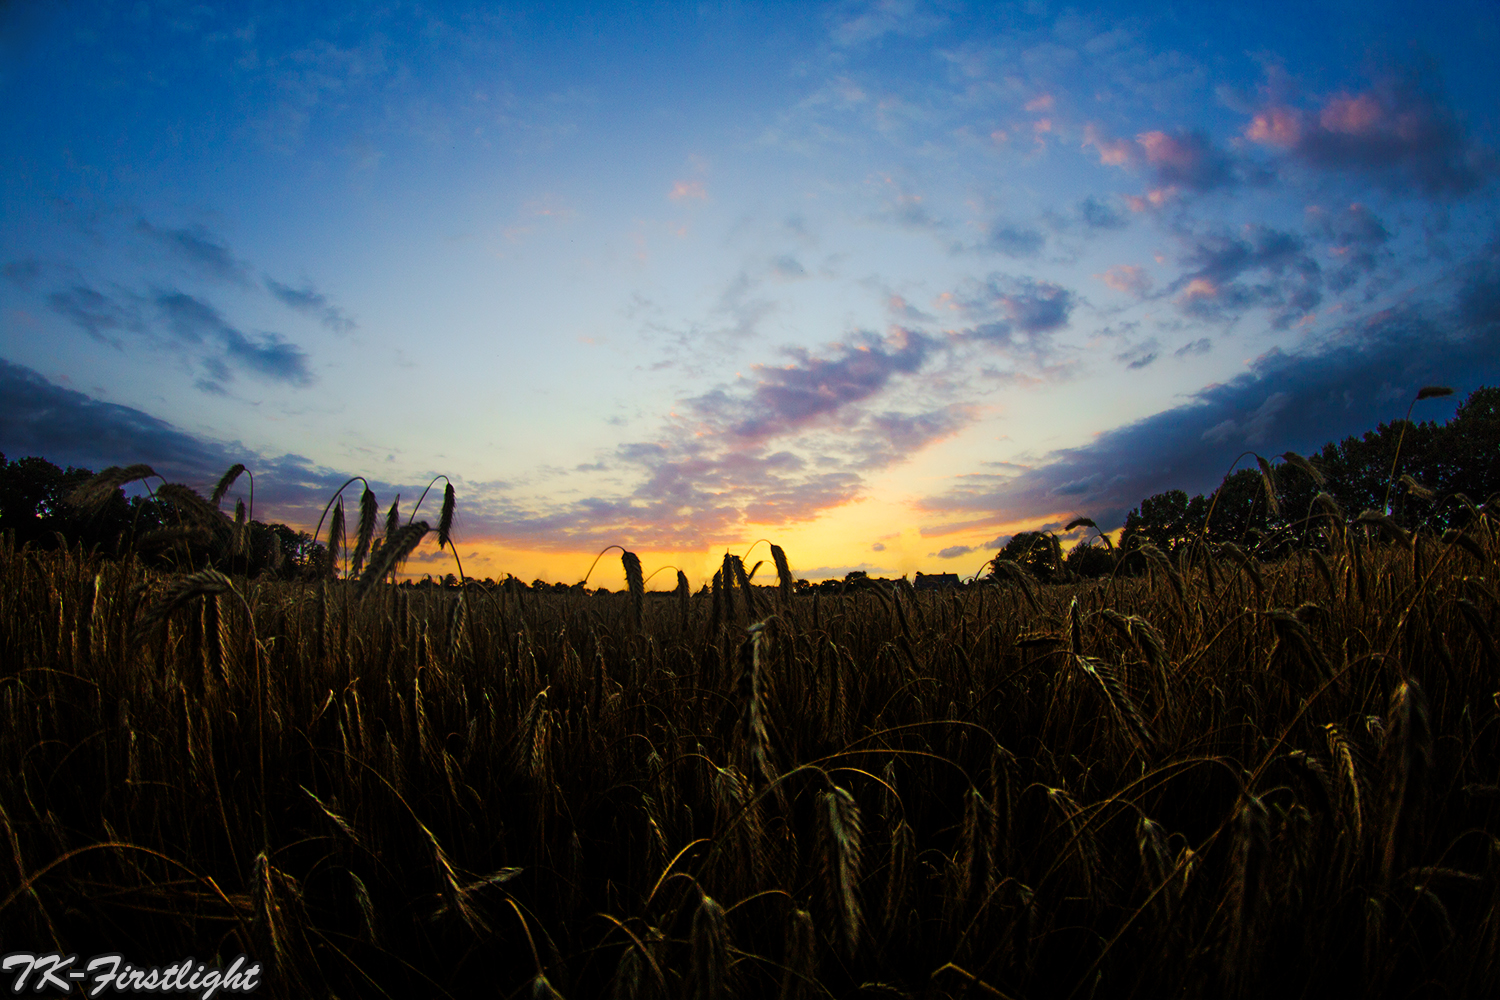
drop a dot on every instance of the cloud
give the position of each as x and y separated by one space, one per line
94 312
688 191
1290 285
1097 215
789 397
1346 384
312 302
1129 278
24 273
1175 161
861 23
953 551
1139 356
198 247
1400 131
68 427
1016 313
195 322
787 266
1014 241
1200 346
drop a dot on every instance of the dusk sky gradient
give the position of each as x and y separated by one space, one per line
882 282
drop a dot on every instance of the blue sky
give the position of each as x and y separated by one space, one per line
883 282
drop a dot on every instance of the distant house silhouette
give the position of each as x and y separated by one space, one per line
936 581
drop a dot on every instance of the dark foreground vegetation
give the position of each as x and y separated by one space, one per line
1222 778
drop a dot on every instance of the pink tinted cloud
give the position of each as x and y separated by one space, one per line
1129 278
1400 130
1184 159
684 190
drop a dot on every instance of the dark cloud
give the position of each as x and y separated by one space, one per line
1355 236
1200 346
953 551
70 428
312 302
1401 131
1097 215
790 397
1479 298
1014 241
787 266
1363 375
886 438
1016 314
1186 159
200 248
24 273
1291 279
267 355
94 312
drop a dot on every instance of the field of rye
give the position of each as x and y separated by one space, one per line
1219 777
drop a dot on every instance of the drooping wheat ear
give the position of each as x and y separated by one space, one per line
684 597
1124 709
1075 628
369 510
1320 563
179 592
709 939
445 517
92 495
636 582
783 574
1410 755
1331 508
1151 842
718 610
226 481
1415 488
391 555
1298 462
1343 765
1290 630
335 539
1246 885
161 538
533 740
751 607
752 703
627 981
1244 561
1157 559
192 508
839 856
1476 621
1387 524
967 865
1010 571
237 533
1268 480
1146 638
1088 522
393 519
800 980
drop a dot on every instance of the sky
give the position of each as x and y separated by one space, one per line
881 282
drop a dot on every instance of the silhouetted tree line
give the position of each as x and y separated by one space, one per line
1425 476
40 506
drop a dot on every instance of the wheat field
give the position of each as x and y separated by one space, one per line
1218 778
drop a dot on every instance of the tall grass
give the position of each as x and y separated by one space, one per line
1260 779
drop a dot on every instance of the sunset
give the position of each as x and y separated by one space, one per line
711 501
887 281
